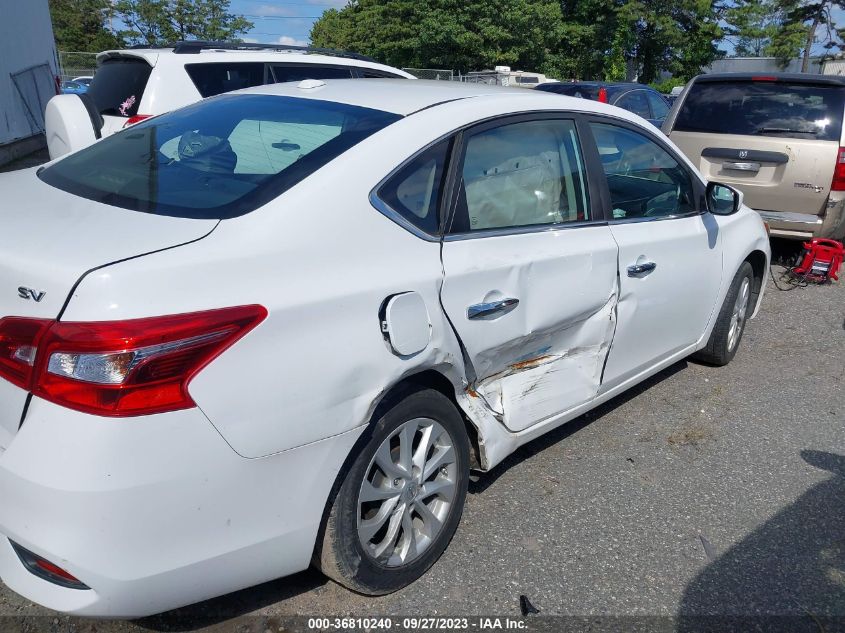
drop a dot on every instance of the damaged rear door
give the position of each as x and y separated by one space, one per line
530 269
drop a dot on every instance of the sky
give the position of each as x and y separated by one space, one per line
281 21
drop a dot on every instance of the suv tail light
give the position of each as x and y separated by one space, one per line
603 95
119 368
838 183
136 119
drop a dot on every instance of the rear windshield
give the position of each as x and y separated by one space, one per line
118 85
793 110
216 159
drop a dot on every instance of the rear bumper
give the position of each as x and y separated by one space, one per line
156 512
805 226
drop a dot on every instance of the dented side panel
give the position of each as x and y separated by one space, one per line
545 356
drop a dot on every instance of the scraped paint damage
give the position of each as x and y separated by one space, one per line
562 371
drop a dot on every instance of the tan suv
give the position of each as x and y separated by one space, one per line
777 137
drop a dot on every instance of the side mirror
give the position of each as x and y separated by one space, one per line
723 199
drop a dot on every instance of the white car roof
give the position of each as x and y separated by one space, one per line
406 97
154 56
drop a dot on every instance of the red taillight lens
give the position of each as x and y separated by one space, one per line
603 95
46 570
119 368
136 119
19 338
838 183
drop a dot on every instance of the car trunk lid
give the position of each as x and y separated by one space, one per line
50 239
786 175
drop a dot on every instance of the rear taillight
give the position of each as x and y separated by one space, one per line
603 95
121 368
136 119
838 183
19 338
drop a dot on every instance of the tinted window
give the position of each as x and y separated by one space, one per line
572 90
414 191
215 159
763 108
521 174
369 73
118 85
215 79
645 181
294 72
659 107
636 102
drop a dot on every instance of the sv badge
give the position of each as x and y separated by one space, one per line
29 293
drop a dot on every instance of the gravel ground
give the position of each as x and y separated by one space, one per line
705 491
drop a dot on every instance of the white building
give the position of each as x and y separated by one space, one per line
28 75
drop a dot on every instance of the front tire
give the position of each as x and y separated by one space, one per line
730 324
401 499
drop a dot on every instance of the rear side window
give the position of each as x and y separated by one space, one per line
583 92
795 110
215 79
118 86
659 107
298 72
414 191
216 159
636 102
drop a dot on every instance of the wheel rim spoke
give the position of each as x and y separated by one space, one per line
386 547
369 492
440 487
384 460
368 527
443 456
431 522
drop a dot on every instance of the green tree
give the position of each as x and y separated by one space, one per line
752 25
806 24
80 25
562 38
158 22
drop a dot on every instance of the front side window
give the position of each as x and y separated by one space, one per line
216 159
522 174
414 191
645 181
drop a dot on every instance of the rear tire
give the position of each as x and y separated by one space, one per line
730 324
401 497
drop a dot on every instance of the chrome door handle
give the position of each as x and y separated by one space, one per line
483 310
635 270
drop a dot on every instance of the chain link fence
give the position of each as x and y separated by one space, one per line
488 77
431 73
76 64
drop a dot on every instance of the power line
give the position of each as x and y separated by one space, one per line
281 17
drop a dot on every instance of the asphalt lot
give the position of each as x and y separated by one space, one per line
705 491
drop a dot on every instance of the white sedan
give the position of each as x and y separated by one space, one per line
281 326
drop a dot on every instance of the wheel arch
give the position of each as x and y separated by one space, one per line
759 263
430 378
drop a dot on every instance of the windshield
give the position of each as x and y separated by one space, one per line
796 110
216 159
